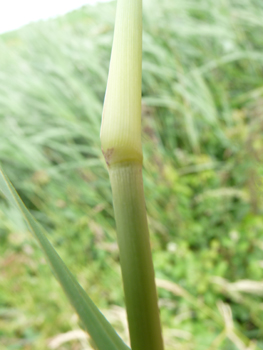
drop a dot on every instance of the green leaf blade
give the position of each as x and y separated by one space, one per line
100 330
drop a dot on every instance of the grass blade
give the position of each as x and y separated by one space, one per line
100 330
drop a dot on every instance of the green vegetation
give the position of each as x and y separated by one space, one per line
202 138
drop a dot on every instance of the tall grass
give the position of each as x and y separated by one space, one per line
202 121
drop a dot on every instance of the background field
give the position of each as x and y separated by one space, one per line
203 150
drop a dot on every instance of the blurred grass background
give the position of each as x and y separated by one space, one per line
203 150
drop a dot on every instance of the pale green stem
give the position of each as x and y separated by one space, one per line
121 121
135 256
121 146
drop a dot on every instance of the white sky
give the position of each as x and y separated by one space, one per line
16 13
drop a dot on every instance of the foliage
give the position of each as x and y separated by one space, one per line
202 122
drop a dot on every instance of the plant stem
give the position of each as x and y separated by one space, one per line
135 256
122 149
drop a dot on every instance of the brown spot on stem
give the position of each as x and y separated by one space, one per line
108 155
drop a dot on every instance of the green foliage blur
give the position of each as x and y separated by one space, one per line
202 118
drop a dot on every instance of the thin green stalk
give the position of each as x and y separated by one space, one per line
121 146
135 256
